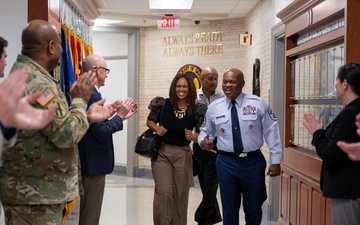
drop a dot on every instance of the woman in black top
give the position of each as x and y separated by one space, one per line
340 176
172 170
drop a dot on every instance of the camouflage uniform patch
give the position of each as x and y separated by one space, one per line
33 214
43 166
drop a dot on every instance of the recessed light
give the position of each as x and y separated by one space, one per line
170 4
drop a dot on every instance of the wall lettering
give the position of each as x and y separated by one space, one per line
204 43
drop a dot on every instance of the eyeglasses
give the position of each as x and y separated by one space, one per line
107 71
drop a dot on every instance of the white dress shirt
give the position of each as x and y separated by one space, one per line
201 98
257 121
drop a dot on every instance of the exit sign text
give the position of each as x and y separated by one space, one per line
166 22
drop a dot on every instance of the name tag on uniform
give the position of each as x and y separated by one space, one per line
219 117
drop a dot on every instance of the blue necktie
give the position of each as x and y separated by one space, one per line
238 147
100 95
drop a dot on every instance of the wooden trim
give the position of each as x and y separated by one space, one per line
329 38
327 11
296 8
54 9
44 10
87 8
305 163
287 132
301 200
352 34
298 24
38 9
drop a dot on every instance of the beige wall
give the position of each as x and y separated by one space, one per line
157 70
13 18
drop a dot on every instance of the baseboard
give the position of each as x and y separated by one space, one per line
138 172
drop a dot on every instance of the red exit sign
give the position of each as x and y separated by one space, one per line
167 22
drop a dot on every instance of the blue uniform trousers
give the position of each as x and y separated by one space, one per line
242 177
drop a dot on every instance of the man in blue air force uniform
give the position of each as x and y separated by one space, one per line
241 122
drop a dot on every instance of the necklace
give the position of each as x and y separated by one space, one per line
180 113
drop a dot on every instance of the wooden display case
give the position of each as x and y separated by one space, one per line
48 10
321 35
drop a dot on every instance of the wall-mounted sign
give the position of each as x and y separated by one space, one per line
245 39
194 72
168 23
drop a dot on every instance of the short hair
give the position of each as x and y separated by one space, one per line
3 44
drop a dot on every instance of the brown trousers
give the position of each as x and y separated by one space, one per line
173 176
91 201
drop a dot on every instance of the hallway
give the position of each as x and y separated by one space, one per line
128 201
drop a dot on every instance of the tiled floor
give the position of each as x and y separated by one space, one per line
128 201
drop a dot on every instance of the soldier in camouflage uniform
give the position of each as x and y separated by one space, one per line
16 111
40 173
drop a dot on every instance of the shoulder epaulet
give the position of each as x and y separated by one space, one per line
253 97
216 102
256 99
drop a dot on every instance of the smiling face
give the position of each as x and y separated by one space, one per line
102 72
209 80
182 88
233 83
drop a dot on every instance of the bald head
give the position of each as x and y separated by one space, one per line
209 80
97 64
41 42
233 83
208 71
92 61
36 36
236 72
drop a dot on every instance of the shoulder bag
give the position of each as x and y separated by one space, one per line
148 143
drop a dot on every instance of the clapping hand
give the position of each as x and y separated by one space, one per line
127 108
84 86
352 149
97 112
310 123
16 111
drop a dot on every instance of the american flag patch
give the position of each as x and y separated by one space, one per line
45 98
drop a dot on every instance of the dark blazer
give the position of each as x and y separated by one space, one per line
96 149
340 176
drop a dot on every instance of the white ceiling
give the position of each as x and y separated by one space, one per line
136 13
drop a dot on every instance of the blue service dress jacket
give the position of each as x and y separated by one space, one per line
96 149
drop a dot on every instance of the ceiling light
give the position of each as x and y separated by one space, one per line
170 4
102 22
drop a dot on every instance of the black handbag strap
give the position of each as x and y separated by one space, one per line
162 111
